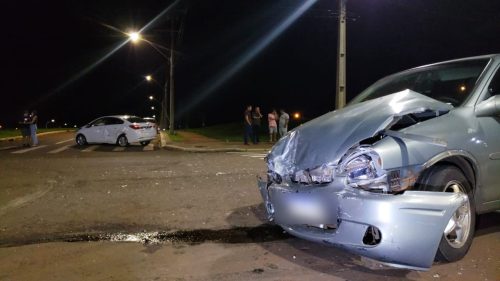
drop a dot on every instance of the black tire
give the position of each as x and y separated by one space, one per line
122 141
81 140
144 143
447 178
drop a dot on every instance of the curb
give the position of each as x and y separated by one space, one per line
167 144
40 134
195 149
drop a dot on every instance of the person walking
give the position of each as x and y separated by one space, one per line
247 115
283 123
273 127
24 124
33 127
256 121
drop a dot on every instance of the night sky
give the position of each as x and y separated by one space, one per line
48 47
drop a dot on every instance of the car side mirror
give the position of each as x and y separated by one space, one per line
489 107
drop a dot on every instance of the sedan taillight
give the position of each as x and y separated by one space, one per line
135 126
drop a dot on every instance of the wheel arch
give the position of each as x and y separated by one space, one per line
460 159
119 135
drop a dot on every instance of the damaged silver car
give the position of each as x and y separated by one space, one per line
401 172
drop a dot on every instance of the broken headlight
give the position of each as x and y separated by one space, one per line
318 175
363 169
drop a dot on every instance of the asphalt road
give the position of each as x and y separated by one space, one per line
143 213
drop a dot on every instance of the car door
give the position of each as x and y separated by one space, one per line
489 128
112 130
95 132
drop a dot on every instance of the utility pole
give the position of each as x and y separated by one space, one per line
340 93
164 111
172 56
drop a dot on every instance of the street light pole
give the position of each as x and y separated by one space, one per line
340 93
172 56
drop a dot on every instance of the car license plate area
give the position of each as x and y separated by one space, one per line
301 208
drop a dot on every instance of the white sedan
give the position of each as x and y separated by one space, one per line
118 129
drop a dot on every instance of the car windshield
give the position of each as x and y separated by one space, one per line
447 82
134 119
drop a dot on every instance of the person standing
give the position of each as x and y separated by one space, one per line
25 128
256 121
284 118
33 127
273 127
248 124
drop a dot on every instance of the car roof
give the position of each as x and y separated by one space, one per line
120 116
491 56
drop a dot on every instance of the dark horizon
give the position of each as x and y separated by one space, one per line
49 44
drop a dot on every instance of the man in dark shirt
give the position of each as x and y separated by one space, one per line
248 124
256 118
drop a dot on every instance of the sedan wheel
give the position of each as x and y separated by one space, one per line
458 228
122 141
81 140
459 232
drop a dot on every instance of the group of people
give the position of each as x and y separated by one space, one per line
28 126
276 124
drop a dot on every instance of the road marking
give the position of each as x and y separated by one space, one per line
90 148
59 149
8 147
28 149
119 148
28 198
149 147
251 155
61 142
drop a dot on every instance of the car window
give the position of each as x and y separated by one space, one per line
447 82
113 121
99 122
494 87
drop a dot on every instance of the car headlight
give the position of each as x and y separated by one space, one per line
363 169
318 175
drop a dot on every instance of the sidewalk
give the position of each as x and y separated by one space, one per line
193 142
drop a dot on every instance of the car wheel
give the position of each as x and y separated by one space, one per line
144 143
122 141
459 232
81 140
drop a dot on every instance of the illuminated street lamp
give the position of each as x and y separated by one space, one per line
152 108
134 37
148 78
296 116
151 97
50 121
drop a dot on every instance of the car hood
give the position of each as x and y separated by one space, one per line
327 138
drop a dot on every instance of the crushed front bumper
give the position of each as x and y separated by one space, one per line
408 227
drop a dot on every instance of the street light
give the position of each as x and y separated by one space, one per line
152 108
163 113
50 121
134 36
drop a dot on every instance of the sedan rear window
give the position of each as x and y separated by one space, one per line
135 119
